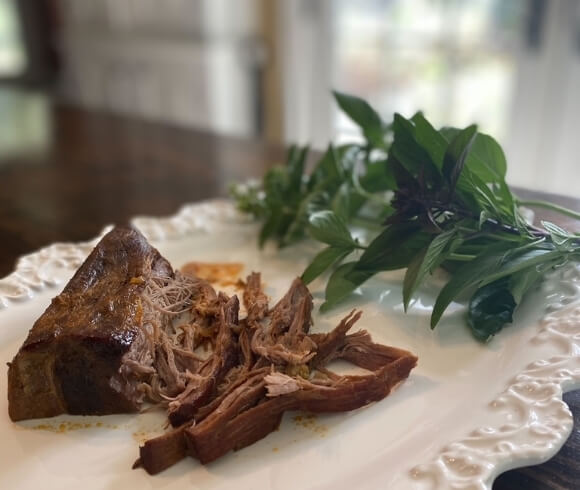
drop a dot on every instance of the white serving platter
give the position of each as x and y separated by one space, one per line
467 413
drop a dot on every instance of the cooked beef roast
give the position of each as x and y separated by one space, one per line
128 330
71 358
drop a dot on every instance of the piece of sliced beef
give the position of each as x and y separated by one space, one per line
162 452
359 349
70 360
216 434
345 393
241 379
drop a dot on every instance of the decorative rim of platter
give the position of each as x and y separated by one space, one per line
539 420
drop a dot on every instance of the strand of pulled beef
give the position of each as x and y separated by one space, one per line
225 356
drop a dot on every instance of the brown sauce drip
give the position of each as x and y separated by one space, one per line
222 273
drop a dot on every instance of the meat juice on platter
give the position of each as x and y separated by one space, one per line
129 332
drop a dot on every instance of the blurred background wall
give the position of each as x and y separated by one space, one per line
265 68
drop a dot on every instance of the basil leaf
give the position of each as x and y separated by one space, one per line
499 261
394 248
299 223
562 239
488 150
323 260
490 308
412 156
411 279
343 281
470 183
467 276
425 263
516 262
519 221
295 163
522 282
431 140
275 183
364 116
403 178
456 154
270 226
327 227
486 157
341 202
378 177
493 305
327 169
505 197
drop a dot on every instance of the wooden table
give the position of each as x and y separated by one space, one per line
100 169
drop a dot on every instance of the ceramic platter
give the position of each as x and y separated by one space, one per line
467 412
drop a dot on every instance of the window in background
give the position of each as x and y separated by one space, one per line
12 53
446 58
189 62
513 67
25 123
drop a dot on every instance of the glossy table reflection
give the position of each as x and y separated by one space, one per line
96 169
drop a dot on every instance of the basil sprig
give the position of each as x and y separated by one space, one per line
427 198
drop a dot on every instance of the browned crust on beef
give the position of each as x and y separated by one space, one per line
74 349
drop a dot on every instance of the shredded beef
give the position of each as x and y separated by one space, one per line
280 367
199 391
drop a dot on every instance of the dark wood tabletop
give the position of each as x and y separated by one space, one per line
98 169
